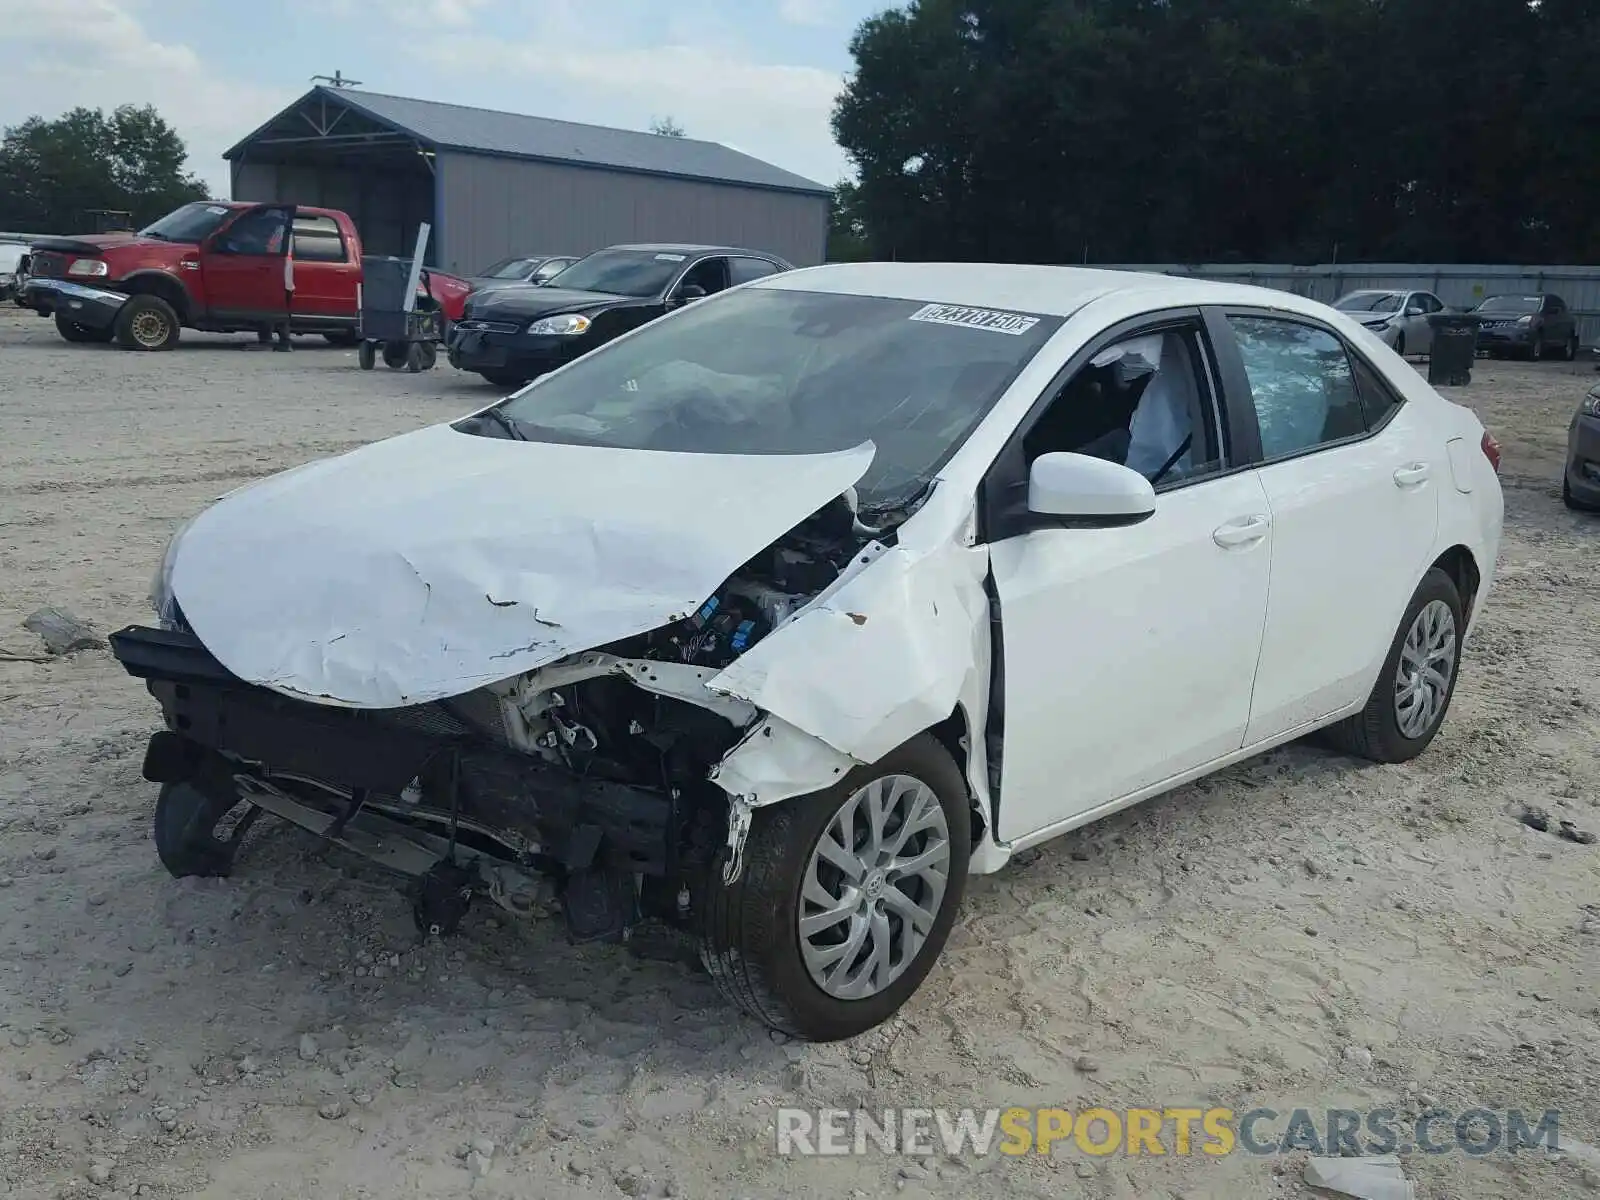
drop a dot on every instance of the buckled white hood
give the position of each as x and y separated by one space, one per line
430 564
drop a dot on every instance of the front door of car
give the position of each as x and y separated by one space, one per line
1352 478
1128 652
241 264
1414 324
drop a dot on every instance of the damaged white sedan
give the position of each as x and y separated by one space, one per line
777 617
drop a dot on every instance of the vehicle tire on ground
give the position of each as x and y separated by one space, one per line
186 830
1409 702
395 355
1572 501
367 356
147 323
832 926
344 337
504 379
74 332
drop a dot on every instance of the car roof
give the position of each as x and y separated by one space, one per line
1049 291
685 248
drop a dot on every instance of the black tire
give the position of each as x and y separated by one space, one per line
147 323
1374 732
367 356
185 831
1572 501
395 355
504 379
345 338
750 943
81 334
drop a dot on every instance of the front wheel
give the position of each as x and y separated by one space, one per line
504 379
188 822
846 898
80 334
1408 703
147 323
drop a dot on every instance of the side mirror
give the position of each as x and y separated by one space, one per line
1077 490
690 292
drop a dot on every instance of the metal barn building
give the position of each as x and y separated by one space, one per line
495 184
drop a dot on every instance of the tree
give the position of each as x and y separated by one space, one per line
847 238
666 127
1202 130
53 173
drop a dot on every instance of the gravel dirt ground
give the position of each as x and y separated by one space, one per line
1299 931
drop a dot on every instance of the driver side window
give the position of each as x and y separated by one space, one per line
1144 401
710 274
260 231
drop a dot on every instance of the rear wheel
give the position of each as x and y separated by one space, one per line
1408 703
74 332
147 323
846 898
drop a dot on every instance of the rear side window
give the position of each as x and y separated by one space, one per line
1378 399
1301 384
743 270
317 239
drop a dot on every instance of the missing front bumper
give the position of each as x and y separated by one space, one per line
220 727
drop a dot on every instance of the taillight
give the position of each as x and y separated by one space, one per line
1491 450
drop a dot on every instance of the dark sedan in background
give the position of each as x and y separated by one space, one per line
1580 482
512 334
1527 326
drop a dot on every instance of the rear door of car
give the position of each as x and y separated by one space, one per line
1352 476
325 272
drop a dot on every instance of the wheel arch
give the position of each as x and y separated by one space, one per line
162 285
954 733
1461 565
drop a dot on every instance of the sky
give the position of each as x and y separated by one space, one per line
758 75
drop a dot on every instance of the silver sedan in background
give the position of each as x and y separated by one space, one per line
1400 318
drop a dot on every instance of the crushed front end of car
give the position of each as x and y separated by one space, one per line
587 780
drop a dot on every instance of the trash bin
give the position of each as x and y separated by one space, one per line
1455 346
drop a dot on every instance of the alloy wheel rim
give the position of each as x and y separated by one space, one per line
149 329
1427 666
873 887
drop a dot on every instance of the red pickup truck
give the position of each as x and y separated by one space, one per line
215 266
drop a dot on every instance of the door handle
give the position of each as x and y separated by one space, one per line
1412 475
1246 531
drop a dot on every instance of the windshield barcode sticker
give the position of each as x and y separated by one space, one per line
975 318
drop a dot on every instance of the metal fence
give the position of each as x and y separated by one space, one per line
1460 285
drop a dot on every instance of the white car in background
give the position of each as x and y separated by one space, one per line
11 256
779 616
1400 318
